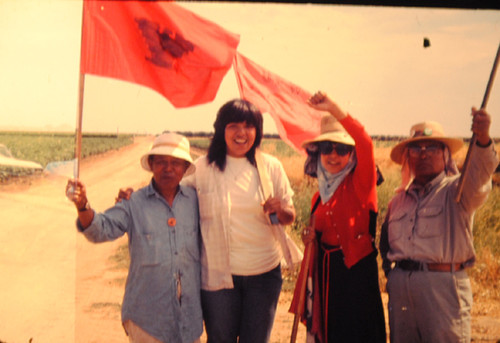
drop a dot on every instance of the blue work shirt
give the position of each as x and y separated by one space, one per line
162 293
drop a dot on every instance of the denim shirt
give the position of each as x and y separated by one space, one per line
162 255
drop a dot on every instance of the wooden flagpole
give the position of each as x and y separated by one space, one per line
79 115
303 285
78 131
465 168
302 293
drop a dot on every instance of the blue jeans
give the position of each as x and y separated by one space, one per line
246 311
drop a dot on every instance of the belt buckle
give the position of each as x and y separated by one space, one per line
410 265
415 265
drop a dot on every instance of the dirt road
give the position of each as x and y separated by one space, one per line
56 286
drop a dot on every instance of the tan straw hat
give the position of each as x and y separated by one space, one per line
331 130
428 130
170 144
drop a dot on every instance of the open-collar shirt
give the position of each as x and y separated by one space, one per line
426 223
162 293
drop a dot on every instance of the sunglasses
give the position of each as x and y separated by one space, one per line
326 148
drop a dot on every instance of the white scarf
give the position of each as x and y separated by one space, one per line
328 182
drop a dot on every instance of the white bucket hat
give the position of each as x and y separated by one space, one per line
170 144
331 130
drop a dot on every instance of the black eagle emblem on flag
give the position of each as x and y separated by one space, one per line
165 45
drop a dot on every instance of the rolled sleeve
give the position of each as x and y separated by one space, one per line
106 226
477 185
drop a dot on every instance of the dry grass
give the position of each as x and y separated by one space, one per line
484 275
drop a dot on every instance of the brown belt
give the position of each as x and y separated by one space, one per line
410 265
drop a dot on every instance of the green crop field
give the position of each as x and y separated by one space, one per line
44 147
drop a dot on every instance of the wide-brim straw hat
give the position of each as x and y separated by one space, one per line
428 130
331 130
170 144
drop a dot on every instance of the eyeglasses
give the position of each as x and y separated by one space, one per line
431 150
326 148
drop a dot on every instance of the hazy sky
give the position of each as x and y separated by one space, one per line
371 60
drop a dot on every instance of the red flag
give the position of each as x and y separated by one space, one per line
160 45
284 101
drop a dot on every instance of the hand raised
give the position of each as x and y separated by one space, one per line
481 122
322 102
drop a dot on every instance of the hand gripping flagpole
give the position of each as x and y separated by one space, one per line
465 168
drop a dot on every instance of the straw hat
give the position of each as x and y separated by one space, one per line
331 130
428 130
170 144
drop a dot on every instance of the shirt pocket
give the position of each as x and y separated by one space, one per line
397 224
147 248
430 222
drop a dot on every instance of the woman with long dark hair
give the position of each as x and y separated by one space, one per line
240 257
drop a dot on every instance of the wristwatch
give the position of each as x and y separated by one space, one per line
85 208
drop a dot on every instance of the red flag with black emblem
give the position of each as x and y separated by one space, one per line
287 104
159 45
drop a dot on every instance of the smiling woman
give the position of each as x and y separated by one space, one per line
240 137
346 300
247 266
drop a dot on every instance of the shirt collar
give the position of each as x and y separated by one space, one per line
419 189
151 191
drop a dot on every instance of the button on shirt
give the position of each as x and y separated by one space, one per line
426 224
162 293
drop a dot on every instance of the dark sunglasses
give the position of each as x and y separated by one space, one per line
326 148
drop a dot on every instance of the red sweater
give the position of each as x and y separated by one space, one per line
345 219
